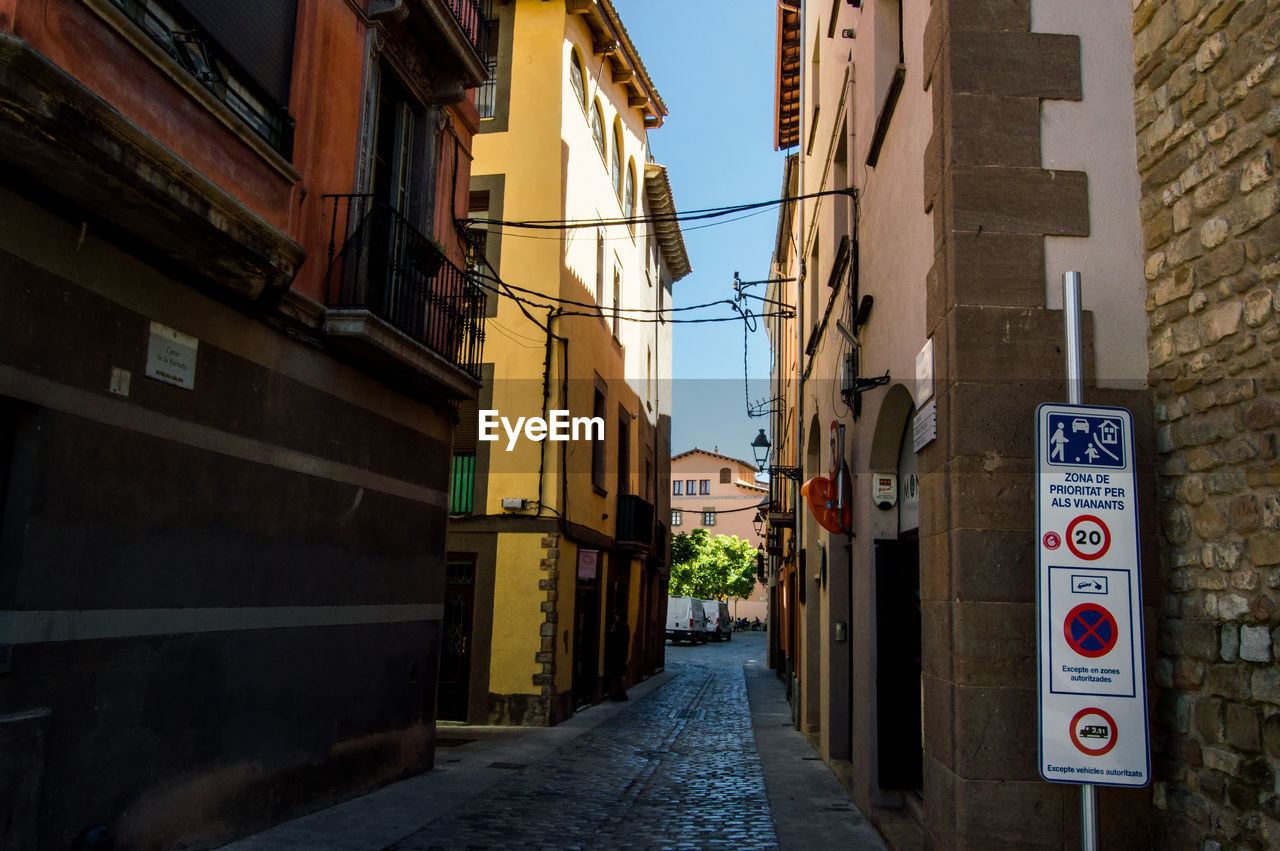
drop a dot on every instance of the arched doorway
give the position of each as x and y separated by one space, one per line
898 677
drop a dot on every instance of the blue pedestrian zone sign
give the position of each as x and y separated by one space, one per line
1085 440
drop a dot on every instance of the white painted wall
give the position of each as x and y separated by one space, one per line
1097 136
589 195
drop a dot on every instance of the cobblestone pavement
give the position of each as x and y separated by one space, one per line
703 756
677 769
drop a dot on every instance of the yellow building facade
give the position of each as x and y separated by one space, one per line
550 539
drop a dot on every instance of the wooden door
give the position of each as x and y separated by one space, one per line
455 644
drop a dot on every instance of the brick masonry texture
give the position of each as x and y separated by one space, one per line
1208 110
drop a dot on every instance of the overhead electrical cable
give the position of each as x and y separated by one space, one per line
688 216
619 237
592 305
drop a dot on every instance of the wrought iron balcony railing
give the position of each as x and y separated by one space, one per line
773 541
385 266
783 483
473 17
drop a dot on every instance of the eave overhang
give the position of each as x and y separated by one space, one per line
610 39
786 105
662 207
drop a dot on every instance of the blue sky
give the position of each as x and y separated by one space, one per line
712 62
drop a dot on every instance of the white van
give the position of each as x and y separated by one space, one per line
686 620
719 626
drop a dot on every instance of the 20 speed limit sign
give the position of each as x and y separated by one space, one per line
1088 537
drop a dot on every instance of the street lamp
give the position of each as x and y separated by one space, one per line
760 448
758 523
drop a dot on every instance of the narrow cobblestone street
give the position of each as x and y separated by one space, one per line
686 763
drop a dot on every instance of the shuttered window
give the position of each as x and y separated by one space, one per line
462 480
466 433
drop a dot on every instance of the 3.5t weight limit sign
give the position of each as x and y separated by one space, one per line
1092 686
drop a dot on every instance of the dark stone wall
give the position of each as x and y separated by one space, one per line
999 352
1208 117
191 739
286 486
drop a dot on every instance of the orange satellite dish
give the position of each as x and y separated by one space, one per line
821 494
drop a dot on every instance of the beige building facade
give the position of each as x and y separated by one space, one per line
955 160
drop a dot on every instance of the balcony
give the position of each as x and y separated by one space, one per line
447 38
773 541
473 17
782 497
635 523
390 287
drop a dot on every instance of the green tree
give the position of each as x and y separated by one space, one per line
711 568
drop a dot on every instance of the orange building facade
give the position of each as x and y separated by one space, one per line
234 328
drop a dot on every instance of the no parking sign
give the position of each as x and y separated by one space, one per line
1092 683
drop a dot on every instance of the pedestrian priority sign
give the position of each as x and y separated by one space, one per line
1092 682
1079 439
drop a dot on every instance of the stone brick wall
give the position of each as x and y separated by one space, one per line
1208 111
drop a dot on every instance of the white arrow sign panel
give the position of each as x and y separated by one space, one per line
1092 684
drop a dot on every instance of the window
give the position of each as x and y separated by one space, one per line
889 70
677 488
462 483
401 154
462 480
708 517
597 446
578 79
704 486
624 451
616 171
597 126
629 193
726 476
689 486
648 375
617 300
478 235
243 56
677 518
600 269
487 94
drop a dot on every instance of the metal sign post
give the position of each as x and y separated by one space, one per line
1092 667
1075 396
1071 321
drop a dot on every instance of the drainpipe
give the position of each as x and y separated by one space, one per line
801 520
804 280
